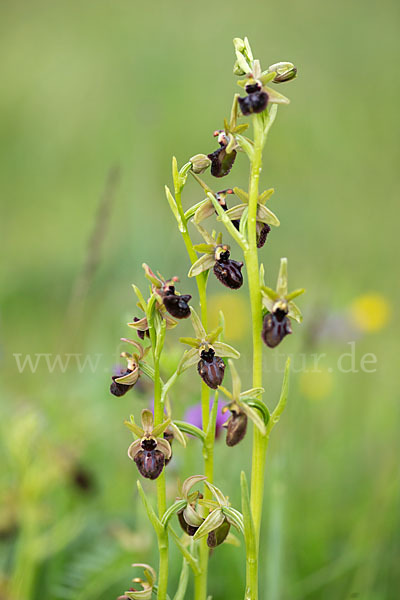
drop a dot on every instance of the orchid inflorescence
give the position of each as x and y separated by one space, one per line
206 518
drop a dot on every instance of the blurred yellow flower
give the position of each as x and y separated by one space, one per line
370 312
316 385
236 312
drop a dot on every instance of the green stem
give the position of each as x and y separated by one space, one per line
162 536
200 581
259 441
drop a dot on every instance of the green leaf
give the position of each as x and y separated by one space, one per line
191 430
249 532
139 295
183 581
174 209
154 520
193 562
276 415
178 435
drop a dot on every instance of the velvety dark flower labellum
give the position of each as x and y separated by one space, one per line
221 162
141 334
120 389
216 537
177 306
236 428
275 327
211 368
189 529
228 271
149 460
263 230
253 103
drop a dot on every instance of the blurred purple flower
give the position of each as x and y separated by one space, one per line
193 416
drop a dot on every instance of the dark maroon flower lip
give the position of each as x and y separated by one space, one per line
276 326
255 102
211 368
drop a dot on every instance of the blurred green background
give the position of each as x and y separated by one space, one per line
86 86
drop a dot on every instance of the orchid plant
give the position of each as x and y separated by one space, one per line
206 517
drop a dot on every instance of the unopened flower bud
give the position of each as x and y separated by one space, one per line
237 69
285 71
200 163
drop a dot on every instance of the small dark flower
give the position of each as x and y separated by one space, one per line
149 451
219 535
140 333
263 230
228 271
177 306
276 326
255 102
236 427
125 381
120 389
149 460
221 160
211 368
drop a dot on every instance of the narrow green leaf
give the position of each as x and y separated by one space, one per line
276 415
183 581
191 430
249 532
154 520
174 209
193 562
